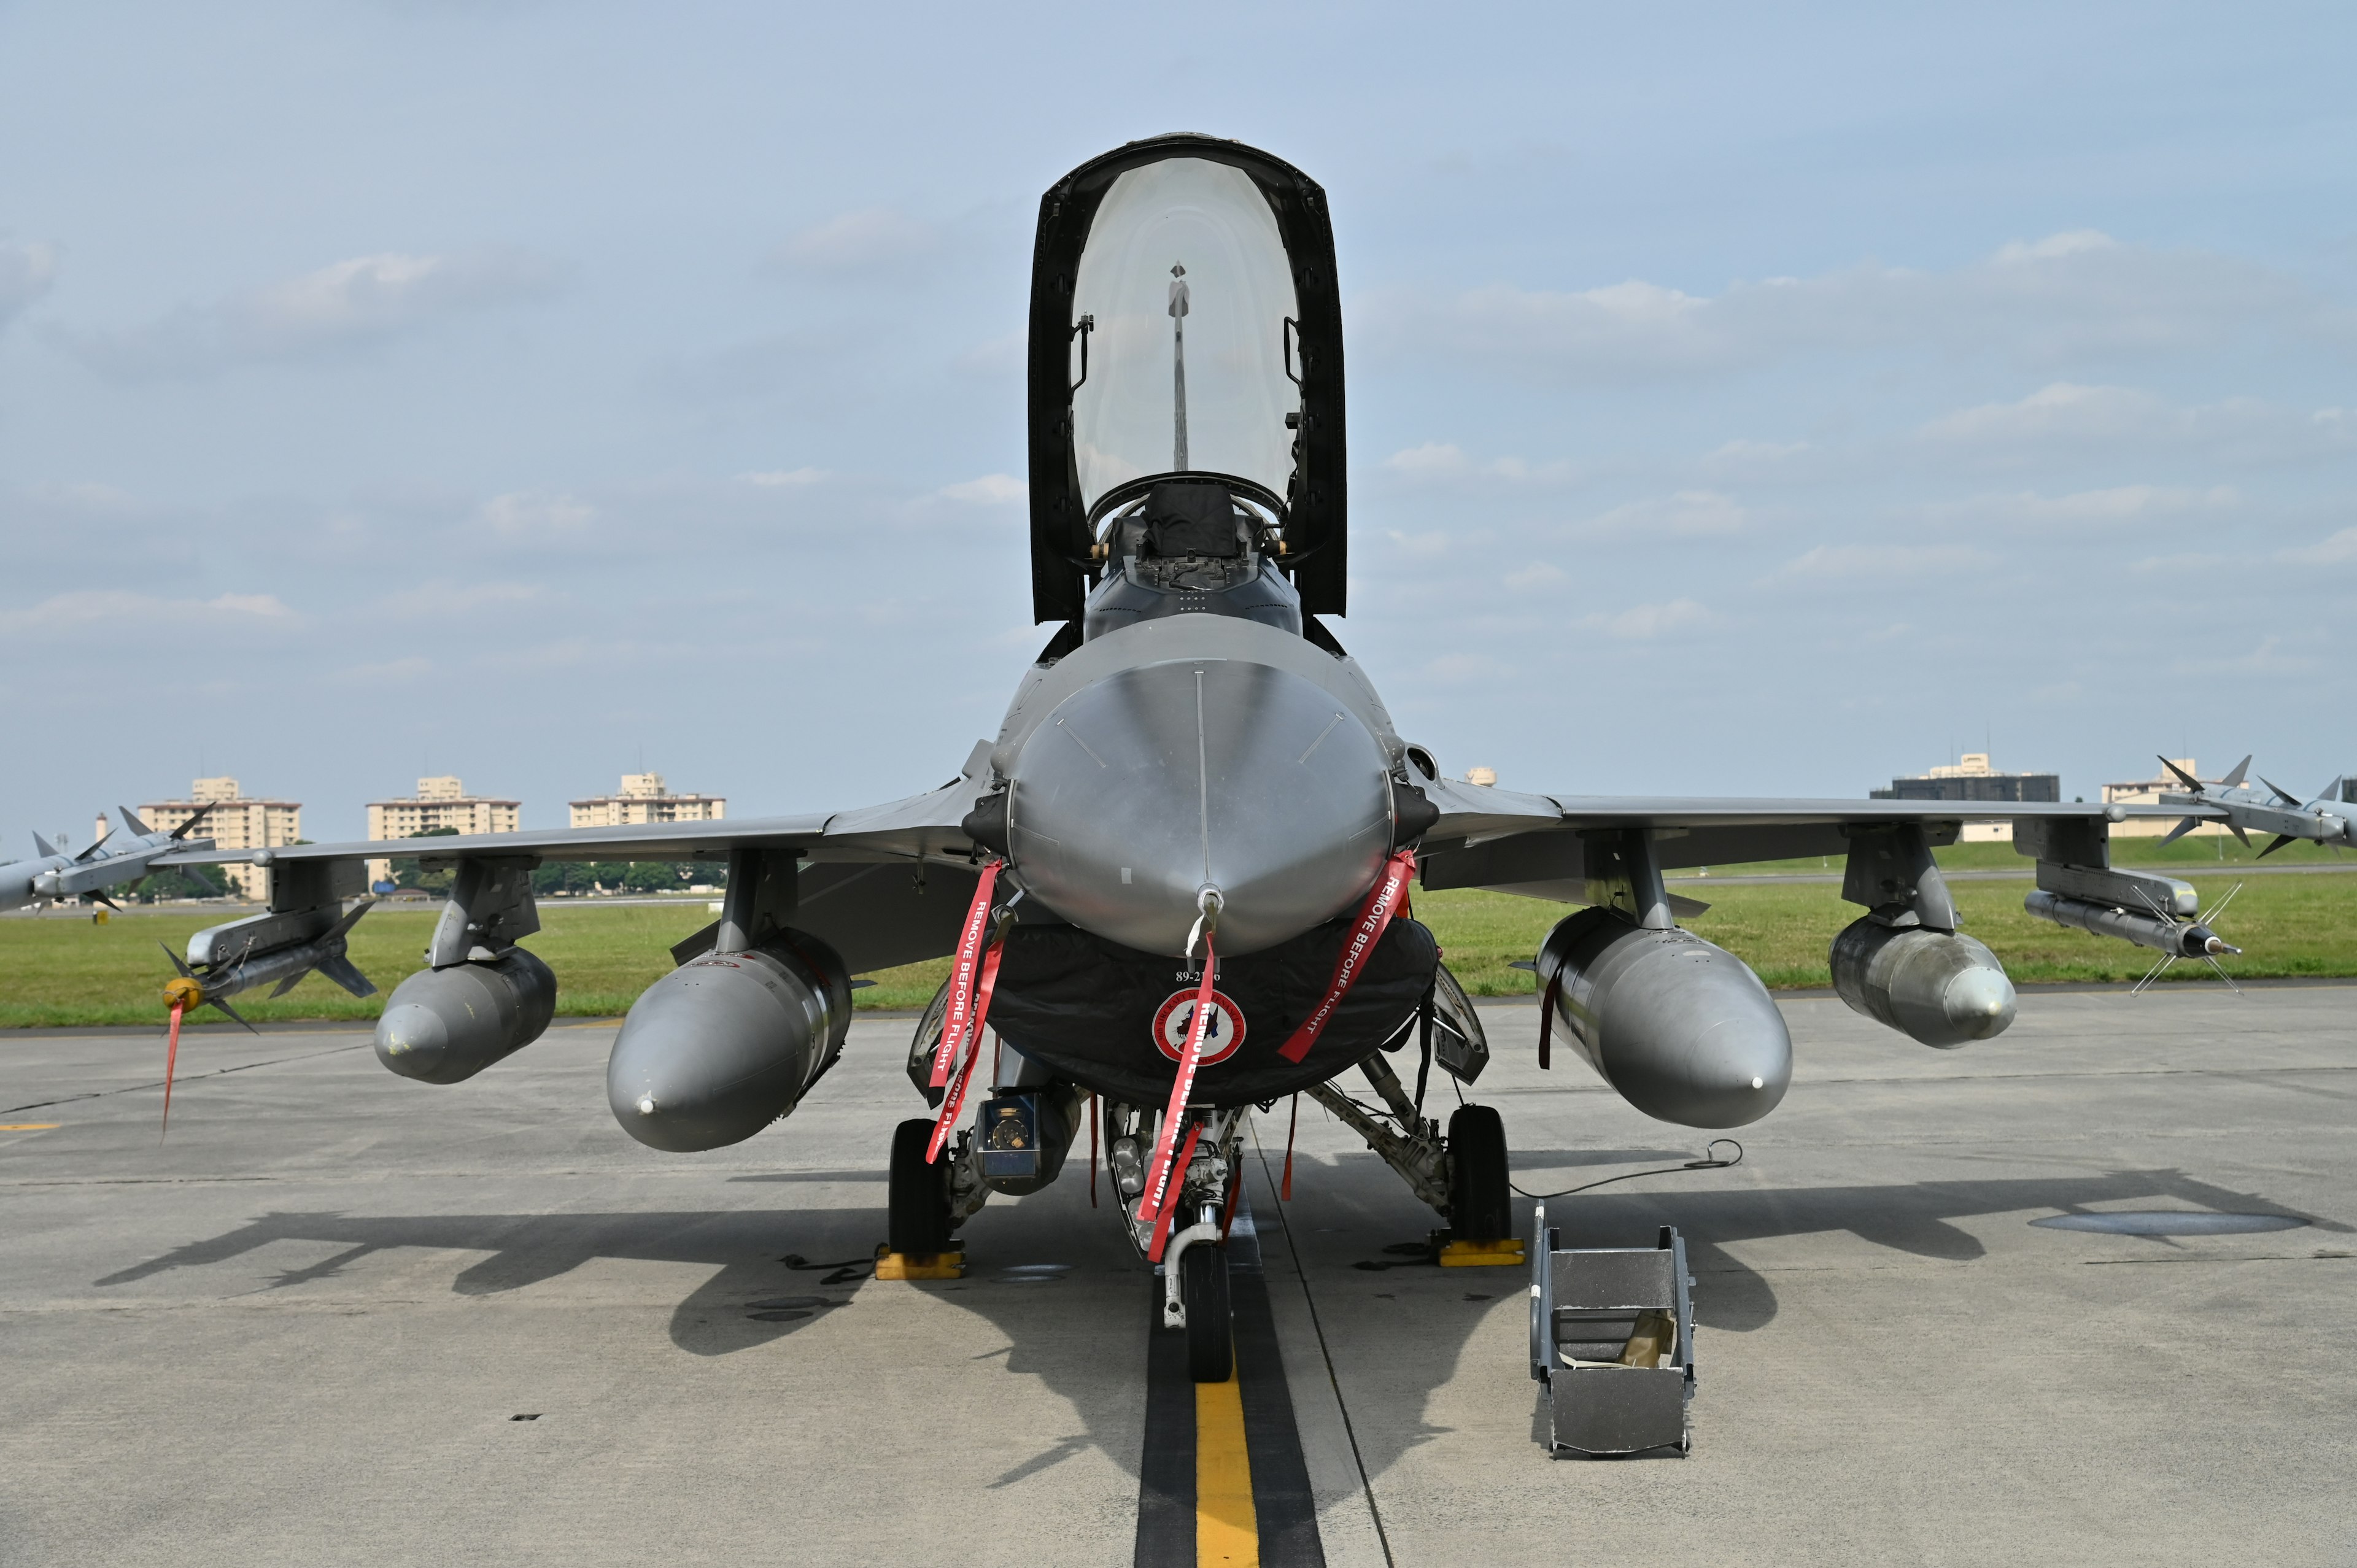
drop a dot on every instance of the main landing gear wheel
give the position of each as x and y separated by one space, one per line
919 1222
1480 1205
1210 1327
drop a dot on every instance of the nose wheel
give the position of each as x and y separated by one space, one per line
1210 1326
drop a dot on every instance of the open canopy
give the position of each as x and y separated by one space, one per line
1184 320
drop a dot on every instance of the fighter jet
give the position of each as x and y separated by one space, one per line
105 864
1179 878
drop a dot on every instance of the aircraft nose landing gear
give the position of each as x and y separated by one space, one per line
1195 1298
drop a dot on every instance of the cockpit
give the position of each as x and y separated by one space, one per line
1186 391
1182 330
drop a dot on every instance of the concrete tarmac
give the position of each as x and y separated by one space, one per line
301 1328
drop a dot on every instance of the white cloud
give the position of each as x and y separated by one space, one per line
784 478
519 515
1420 547
459 598
347 305
115 608
2119 504
2067 419
1463 669
1687 514
1537 574
1830 562
265 605
1433 460
26 270
2068 295
1444 460
1747 457
995 357
858 242
991 490
1645 622
2338 551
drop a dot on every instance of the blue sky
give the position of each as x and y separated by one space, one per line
1742 399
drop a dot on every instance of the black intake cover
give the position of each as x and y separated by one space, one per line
1085 1008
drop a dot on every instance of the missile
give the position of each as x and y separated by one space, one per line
728 1043
444 1025
2325 820
1681 1028
1942 988
55 875
2190 939
221 968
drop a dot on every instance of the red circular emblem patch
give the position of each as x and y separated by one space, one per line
1222 1034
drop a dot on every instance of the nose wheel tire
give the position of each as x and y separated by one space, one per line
918 1222
1210 1327
1480 1205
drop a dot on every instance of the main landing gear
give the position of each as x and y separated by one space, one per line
1462 1175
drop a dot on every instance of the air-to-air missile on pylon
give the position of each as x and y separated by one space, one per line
2329 818
105 864
1176 884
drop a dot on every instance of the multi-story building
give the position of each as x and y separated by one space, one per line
1972 778
231 822
441 802
644 800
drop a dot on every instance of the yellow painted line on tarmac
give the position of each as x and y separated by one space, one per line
28 1126
1227 1530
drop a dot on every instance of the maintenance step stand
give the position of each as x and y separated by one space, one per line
1612 1338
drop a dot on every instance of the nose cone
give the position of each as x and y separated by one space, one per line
1978 1003
1143 787
414 1040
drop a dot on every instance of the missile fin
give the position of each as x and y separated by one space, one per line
2179 830
2283 796
344 972
95 845
178 962
44 845
2184 778
2236 828
95 896
287 985
2281 840
184 828
350 919
130 819
2233 780
217 1002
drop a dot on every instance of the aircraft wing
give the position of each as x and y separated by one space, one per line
1488 837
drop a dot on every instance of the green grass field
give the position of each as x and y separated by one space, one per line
65 971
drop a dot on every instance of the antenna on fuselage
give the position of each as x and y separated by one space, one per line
1179 367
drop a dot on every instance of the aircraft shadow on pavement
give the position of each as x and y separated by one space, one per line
1044 1274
